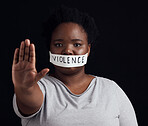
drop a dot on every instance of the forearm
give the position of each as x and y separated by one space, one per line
29 100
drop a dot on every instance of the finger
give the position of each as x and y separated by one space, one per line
42 74
16 54
21 52
32 54
27 44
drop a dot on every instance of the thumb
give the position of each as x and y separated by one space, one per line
42 73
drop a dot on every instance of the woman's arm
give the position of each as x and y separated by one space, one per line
127 115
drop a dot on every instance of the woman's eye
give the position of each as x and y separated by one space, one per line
77 44
58 44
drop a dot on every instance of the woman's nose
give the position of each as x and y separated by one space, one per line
67 51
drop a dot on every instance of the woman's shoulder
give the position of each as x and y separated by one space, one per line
106 83
104 80
46 81
50 81
109 86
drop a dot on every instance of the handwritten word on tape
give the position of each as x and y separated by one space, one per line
68 60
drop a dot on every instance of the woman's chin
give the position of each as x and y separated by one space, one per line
68 70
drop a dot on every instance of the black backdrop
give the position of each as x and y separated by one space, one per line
121 54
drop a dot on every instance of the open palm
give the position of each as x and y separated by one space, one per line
24 72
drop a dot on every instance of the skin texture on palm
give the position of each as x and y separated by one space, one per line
24 66
25 77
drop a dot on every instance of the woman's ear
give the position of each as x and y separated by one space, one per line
89 47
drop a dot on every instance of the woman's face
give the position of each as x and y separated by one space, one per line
69 39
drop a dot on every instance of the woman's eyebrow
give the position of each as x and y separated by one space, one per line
58 40
77 40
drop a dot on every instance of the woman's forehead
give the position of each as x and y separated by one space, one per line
70 29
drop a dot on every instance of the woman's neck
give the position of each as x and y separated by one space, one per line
72 79
76 82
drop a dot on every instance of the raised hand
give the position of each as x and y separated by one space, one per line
24 73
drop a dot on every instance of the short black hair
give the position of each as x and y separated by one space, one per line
64 14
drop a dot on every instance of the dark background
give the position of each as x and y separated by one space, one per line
120 55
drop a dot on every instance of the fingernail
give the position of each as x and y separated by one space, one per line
27 40
22 43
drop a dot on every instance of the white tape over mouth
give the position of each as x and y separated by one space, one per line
68 60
